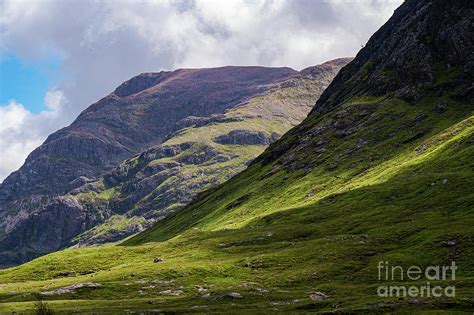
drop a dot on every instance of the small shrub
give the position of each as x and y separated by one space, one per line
41 308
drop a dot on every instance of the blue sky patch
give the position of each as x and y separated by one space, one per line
27 82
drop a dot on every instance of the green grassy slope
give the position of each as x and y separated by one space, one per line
348 166
275 236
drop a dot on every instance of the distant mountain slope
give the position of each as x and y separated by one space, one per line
203 153
140 113
181 131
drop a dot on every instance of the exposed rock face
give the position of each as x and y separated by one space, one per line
424 50
247 137
93 173
422 39
47 226
71 288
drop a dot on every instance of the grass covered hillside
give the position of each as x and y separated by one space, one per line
380 171
276 239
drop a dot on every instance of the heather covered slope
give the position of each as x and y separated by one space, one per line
375 173
146 150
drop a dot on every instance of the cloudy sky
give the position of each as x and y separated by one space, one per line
57 57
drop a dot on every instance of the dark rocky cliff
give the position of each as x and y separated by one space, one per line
405 56
423 51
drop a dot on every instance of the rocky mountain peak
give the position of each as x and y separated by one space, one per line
422 40
332 66
141 82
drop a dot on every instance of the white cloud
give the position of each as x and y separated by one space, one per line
12 116
54 101
22 131
103 43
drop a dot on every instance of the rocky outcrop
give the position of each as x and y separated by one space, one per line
197 121
46 226
72 288
422 40
247 137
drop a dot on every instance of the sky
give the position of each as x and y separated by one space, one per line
58 57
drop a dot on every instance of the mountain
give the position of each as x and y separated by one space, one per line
394 115
381 170
145 150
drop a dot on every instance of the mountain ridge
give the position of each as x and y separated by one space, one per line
64 180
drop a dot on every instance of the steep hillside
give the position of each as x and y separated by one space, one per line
179 133
202 153
411 82
380 171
